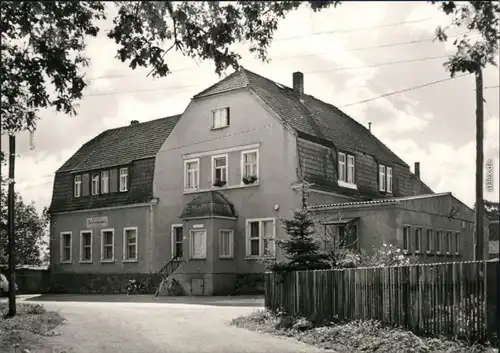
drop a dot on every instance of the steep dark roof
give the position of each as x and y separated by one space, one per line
122 145
208 204
307 114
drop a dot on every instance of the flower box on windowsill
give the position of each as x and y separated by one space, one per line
219 183
250 179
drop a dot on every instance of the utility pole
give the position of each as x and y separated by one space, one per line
479 164
11 210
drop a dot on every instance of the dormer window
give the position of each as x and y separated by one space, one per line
385 178
123 179
104 182
95 184
346 170
220 118
78 185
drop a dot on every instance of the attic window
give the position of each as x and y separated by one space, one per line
220 118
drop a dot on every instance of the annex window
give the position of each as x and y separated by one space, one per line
107 245
219 170
418 240
457 243
260 235
105 182
95 184
220 118
250 164
448 242
438 242
226 243
192 174
340 236
130 244
429 241
406 238
66 247
78 185
123 179
177 241
86 246
198 244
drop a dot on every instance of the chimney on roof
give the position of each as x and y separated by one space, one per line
298 82
417 169
370 126
134 122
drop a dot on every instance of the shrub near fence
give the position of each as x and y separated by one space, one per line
457 300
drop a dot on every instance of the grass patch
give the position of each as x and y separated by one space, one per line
24 330
357 336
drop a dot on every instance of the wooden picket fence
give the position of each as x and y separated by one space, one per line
457 299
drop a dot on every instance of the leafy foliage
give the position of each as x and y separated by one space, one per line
492 211
42 50
30 228
43 43
481 17
386 255
357 336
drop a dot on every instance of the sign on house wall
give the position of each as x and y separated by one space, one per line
97 222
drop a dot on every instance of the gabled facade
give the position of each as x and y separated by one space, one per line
102 202
249 143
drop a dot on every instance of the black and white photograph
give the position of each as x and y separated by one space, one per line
249 177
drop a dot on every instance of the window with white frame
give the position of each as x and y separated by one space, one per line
177 241
342 169
130 244
418 240
406 238
78 185
448 242
389 180
250 164
86 246
105 182
95 184
346 168
107 245
260 235
438 242
381 177
66 247
123 179
429 241
457 243
219 169
191 174
198 243
350 169
220 118
226 243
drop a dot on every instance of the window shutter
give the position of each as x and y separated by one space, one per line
228 116
113 180
85 184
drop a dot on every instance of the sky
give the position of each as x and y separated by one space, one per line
348 55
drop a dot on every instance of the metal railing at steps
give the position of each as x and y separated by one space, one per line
166 271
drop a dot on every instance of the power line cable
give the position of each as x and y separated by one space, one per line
402 91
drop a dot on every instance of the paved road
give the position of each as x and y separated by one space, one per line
126 327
